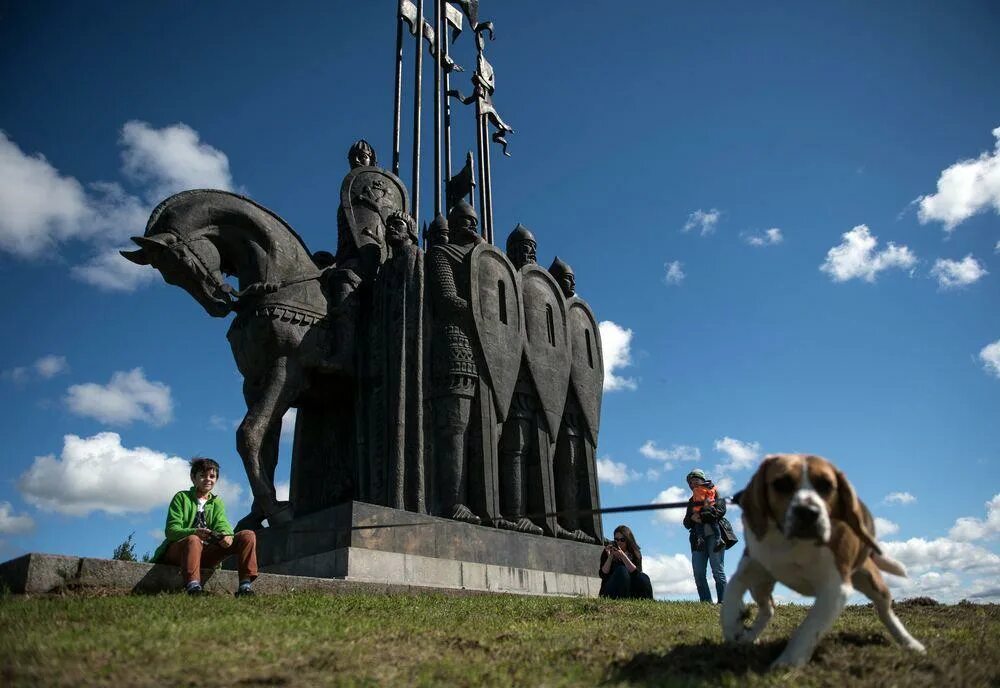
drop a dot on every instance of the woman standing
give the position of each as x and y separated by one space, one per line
702 520
621 568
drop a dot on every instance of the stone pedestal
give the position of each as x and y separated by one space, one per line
363 542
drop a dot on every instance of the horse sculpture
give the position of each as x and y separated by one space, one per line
291 329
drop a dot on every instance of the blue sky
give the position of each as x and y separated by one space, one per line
787 217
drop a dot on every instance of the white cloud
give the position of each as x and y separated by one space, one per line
678 452
920 556
969 529
615 473
172 159
616 343
990 356
127 397
704 221
671 494
156 534
18 375
996 249
724 486
281 491
50 366
99 474
40 206
741 455
884 527
670 574
12 524
108 271
957 273
899 498
673 272
217 422
769 237
966 188
857 257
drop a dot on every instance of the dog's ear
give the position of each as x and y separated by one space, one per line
852 512
753 499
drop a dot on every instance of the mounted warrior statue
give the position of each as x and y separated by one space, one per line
291 334
575 456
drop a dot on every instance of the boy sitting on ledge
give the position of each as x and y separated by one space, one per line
199 536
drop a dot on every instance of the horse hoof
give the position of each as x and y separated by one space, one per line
252 521
282 515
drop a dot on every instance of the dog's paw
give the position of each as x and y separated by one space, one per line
915 646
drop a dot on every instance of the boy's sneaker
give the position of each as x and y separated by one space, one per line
195 589
244 591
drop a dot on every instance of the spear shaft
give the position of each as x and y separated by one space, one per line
416 109
438 94
399 94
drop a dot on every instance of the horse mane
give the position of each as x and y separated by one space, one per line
159 209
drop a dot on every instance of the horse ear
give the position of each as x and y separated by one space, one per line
139 257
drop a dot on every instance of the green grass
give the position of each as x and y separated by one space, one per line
310 639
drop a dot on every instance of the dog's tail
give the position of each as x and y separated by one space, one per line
888 564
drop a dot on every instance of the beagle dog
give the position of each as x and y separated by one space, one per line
806 528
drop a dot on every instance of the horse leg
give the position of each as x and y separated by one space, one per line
256 439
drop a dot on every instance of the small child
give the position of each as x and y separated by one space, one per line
704 491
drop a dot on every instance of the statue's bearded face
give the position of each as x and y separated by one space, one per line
568 284
397 233
464 223
524 253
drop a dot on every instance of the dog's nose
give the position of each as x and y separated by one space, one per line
806 515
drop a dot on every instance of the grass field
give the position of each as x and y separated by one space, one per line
308 639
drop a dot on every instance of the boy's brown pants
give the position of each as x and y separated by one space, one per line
192 556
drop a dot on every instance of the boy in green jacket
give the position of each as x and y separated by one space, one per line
199 536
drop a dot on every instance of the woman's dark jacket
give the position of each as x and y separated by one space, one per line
714 513
637 560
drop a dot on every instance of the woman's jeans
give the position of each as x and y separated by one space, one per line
620 584
700 561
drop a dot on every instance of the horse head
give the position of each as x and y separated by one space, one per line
192 263
196 238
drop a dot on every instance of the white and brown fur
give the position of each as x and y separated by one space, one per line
806 528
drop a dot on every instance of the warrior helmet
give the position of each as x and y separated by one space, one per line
411 224
437 233
460 210
521 246
361 147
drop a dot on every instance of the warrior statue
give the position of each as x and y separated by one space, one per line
454 371
391 470
575 467
526 470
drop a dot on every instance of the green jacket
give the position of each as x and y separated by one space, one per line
181 514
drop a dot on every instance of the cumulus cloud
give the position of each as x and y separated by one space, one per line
129 396
43 208
673 272
678 452
13 524
281 491
100 474
172 159
704 221
964 189
921 556
740 455
951 274
288 425
50 366
40 206
615 473
884 527
969 529
990 356
616 343
670 574
769 237
671 494
857 257
899 498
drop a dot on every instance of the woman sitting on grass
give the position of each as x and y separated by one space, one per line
621 568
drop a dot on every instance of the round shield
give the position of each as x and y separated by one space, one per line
587 369
367 196
498 314
546 341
